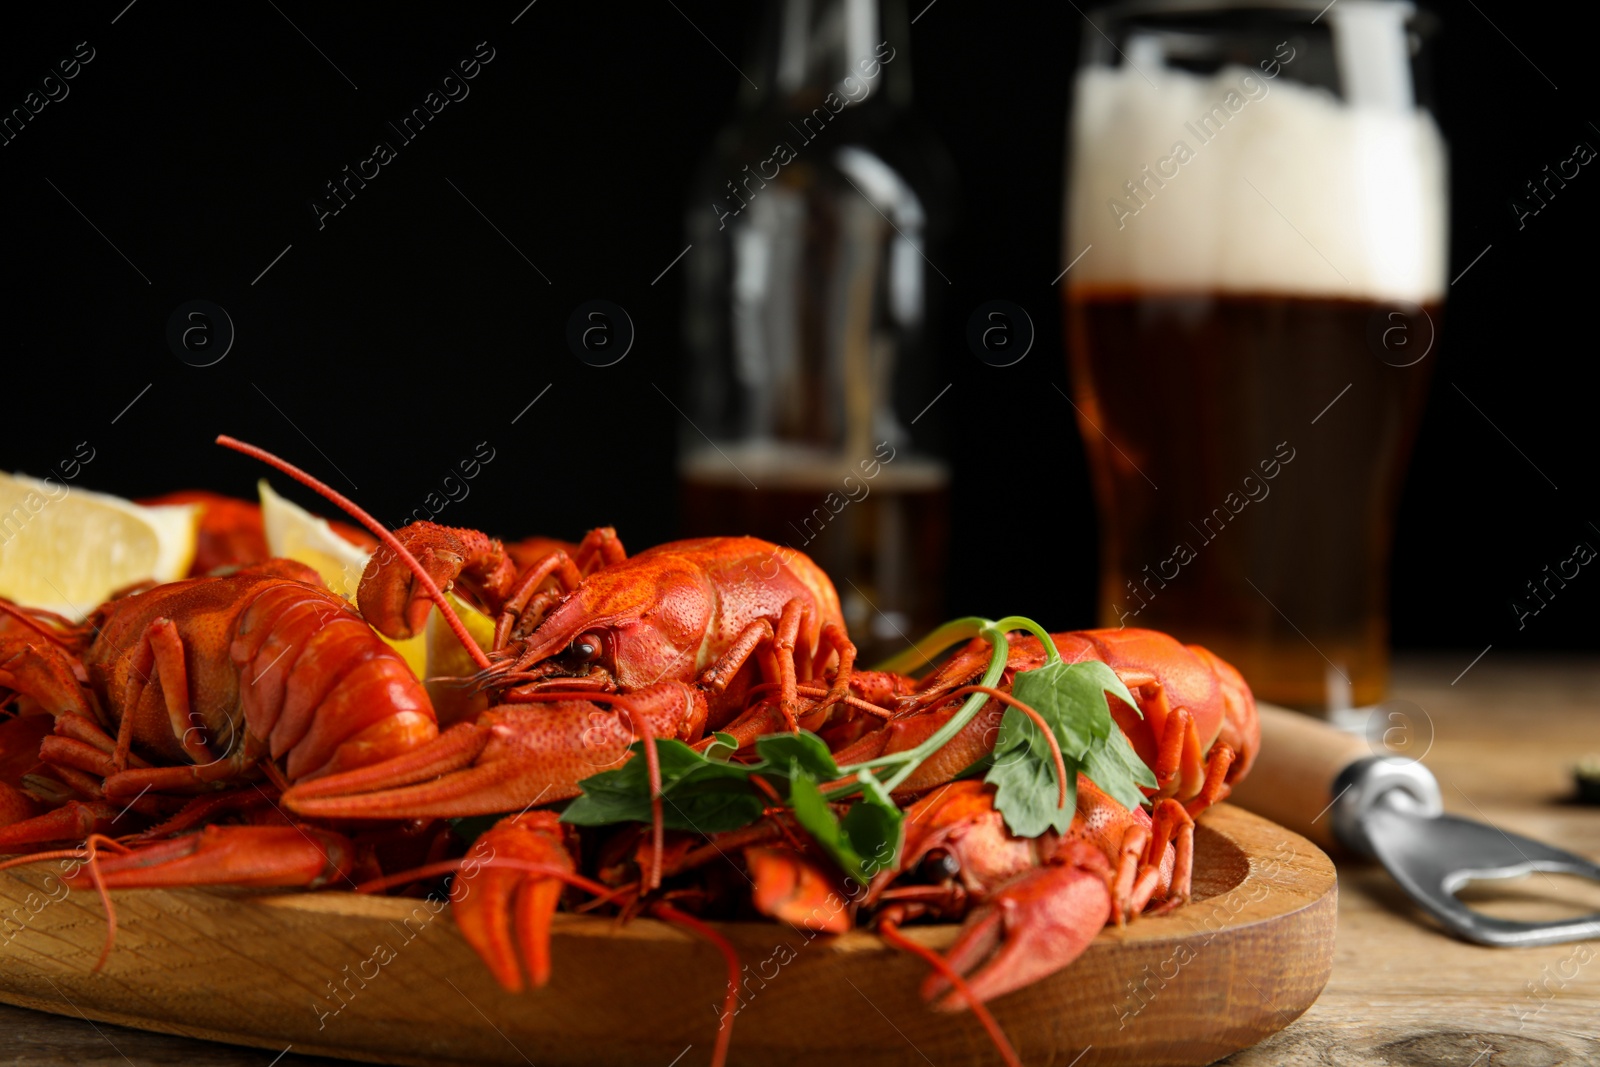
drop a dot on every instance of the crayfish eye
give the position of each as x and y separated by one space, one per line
588 648
938 866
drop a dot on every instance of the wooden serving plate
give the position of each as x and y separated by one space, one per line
387 980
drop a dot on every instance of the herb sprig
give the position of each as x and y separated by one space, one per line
708 793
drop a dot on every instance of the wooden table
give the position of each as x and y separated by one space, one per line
1504 737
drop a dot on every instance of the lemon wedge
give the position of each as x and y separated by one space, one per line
68 549
294 533
442 644
449 665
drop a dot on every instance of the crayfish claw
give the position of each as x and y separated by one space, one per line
502 907
393 600
793 888
72 821
253 856
1031 927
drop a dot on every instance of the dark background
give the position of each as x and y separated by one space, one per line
379 350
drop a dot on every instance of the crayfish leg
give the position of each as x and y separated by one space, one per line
133 783
835 640
1134 881
717 677
1172 823
785 658
1216 787
557 565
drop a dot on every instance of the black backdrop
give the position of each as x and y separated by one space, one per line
381 348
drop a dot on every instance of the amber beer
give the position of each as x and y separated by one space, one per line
1251 327
876 524
1228 516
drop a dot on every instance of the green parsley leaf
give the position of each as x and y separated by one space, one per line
705 792
873 826
1026 792
468 828
702 795
1071 697
868 838
1114 767
805 750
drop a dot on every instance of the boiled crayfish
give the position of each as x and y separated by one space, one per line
659 644
193 685
226 681
1031 905
1194 724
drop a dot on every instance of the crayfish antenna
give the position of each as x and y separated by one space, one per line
730 1000
87 852
34 619
379 530
105 896
889 930
652 762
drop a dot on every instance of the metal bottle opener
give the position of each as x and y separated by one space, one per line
1390 809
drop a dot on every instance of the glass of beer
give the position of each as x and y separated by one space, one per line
1256 227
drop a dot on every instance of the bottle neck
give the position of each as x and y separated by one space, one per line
853 49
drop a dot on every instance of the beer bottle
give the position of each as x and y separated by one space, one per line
808 307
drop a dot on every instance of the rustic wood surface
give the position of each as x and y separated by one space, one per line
1503 739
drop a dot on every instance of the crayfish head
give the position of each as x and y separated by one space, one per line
590 656
585 664
955 838
642 621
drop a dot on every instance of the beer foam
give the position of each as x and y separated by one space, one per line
1242 183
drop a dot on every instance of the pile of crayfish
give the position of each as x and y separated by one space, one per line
247 727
